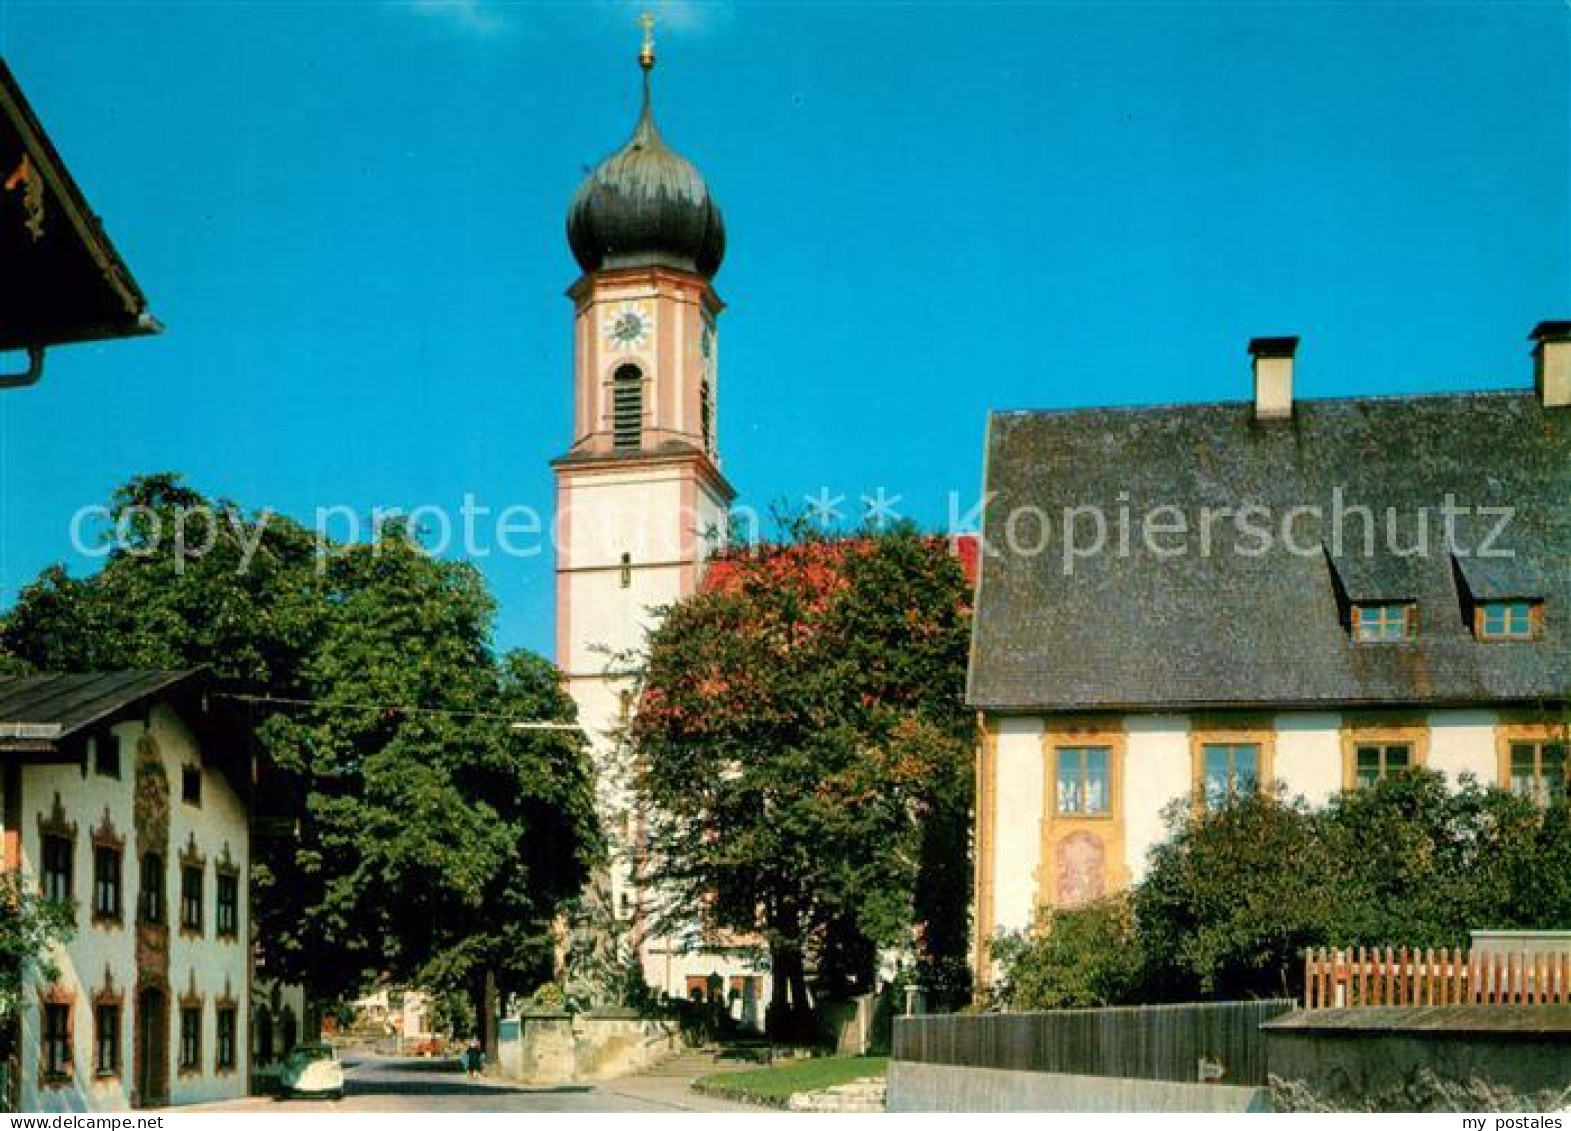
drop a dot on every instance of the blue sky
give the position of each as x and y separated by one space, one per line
349 216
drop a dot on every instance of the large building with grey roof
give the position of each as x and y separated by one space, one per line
1179 601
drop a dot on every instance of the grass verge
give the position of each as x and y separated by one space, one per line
774 1087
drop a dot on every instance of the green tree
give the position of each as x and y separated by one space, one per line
406 832
1078 957
1449 860
1230 900
804 751
1238 891
30 926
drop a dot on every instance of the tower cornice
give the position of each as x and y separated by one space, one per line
654 276
707 472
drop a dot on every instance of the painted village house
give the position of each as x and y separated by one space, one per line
122 795
1337 647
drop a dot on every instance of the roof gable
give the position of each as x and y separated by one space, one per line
62 280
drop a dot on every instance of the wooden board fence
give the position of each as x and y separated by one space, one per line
1335 979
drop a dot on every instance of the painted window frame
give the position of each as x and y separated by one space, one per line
1535 621
190 1010
108 881
1107 828
1382 731
193 912
56 1001
1511 734
1409 610
1083 780
1204 732
109 1040
226 1060
57 876
226 913
152 900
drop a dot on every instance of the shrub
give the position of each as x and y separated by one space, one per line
1082 956
1232 898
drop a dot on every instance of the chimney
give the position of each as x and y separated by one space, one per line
1552 363
1273 368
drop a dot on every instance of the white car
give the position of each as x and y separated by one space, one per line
312 1070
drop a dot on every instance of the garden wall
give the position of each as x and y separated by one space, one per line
566 1048
1189 1057
1436 1058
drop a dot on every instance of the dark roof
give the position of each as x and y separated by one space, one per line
646 205
39 712
61 280
1138 631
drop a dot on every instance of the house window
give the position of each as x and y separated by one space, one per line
58 851
190 1038
152 894
706 414
1538 771
1229 768
191 785
227 1017
1507 620
106 754
1374 762
1084 781
191 899
226 920
106 1039
627 409
106 883
1384 623
56 1051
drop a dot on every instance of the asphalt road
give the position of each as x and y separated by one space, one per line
374 1084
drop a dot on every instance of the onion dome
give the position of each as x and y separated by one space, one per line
646 205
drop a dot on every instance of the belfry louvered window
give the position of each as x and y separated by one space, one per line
627 409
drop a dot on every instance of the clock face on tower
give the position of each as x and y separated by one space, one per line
626 327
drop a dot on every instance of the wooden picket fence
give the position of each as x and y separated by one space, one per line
1335 979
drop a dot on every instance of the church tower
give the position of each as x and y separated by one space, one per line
640 495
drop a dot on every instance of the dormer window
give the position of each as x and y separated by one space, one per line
1507 620
1387 622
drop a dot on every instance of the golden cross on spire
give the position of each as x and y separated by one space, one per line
646 55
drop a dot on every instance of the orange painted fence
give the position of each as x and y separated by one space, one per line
1338 978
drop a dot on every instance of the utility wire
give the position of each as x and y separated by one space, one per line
285 701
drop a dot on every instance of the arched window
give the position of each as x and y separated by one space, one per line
627 409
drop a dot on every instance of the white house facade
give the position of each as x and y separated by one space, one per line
119 796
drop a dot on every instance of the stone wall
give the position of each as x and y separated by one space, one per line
563 1048
914 1086
1440 1058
